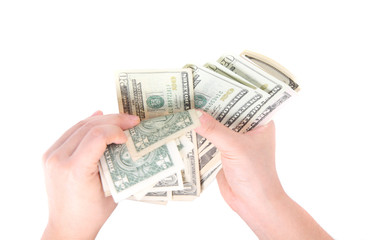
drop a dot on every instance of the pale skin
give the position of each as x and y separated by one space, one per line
248 181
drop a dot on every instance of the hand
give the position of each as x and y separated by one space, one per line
248 162
249 183
77 206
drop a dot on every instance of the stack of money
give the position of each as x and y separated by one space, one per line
164 159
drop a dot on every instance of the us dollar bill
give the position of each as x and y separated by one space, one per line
220 69
152 93
208 177
105 186
272 67
125 177
190 174
279 92
223 98
152 133
173 182
252 73
143 92
208 159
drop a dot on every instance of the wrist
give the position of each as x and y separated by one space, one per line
57 232
260 209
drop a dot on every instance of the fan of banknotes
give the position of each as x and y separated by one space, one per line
164 159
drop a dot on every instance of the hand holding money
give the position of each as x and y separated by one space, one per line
171 166
241 92
75 196
248 161
149 155
250 185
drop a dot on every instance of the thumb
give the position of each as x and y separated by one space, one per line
216 132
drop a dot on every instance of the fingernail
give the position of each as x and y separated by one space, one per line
199 113
134 118
98 112
204 117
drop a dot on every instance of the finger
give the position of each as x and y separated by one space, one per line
67 134
225 189
266 131
86 156
217 133
97 113
123 121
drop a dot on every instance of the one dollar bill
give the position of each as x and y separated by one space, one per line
125 177
151 93
152 133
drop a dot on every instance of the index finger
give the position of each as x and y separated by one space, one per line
74 135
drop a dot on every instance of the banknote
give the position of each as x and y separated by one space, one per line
134 88
207 158
241 92
190 174
220 69
152 133
124 176
155 93
158 196
226 100
105 186
252 73
208 177
261 114
273 82
272 67
173 182
184 145
278 91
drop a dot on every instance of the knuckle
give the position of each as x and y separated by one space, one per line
53 159
81 123
97 132
45 156
88 125
118 119
210 128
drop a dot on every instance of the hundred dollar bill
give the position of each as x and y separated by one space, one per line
152 133
151 93
272 67
124 176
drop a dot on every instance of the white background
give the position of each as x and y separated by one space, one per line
57 66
